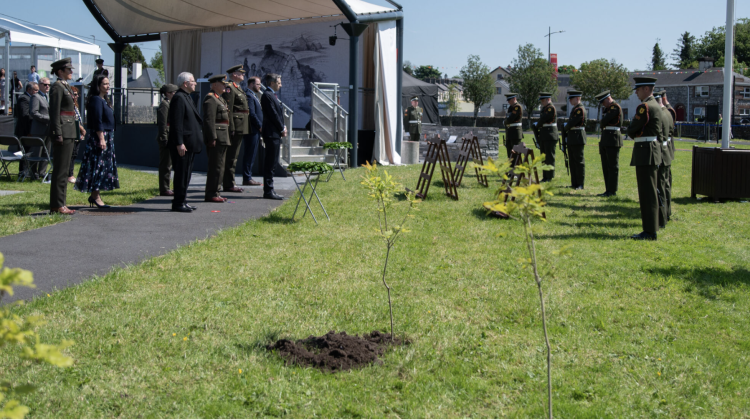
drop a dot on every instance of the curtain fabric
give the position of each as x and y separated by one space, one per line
386 101
188 43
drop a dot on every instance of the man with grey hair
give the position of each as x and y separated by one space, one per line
39 112
273 130
185 139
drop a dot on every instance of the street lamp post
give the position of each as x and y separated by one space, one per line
549 42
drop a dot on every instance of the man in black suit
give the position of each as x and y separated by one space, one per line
185 139
273 130
252 139
22 114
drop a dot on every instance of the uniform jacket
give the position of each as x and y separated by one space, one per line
413 114
256 113
161 121
39 113
237 102
215 120
61 101
273 116
577 119
514 115
667 130
673 114
22 114
612 118
548 116
185 124
647 122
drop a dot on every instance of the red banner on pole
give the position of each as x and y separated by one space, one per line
553 60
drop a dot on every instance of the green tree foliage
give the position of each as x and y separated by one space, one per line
382 189
532 73
600 75
20 334
452 102
132 54
427 72
157 62
658 58
685 54
408 68
566 69
711 43
479 87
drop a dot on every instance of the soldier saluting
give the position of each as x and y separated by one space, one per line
512 123
611 142
216 136
546 130
576 135
413 119
646 130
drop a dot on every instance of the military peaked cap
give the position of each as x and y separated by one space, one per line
657 95
574 93
233 69
416 98
544 95
168 88
100 60
509 96
217 78
61 64
644 81
602 96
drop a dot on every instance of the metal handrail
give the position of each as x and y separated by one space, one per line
290 127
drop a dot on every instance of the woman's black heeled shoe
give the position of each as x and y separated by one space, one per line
93 203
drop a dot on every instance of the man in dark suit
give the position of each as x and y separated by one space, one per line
185 139
22 115
252 139
273 130
39 112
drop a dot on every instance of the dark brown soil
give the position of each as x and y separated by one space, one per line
334 351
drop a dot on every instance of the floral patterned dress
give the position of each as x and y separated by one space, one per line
98 167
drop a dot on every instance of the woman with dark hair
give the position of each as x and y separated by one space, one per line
98 167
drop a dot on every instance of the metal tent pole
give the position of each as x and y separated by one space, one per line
728 55
399 81
8 74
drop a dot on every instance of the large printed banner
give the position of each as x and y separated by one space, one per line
300 53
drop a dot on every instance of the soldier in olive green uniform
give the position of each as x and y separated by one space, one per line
610 143
576 137
513 126
100 71
673 114
216 136
62 131
413 120
646 130
238 124
165 161
546 131
666 163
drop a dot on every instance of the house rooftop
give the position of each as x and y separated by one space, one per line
150 78
690 77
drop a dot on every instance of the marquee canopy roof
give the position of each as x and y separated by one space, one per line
44 35
140 17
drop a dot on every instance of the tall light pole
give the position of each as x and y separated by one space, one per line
549 42
728 88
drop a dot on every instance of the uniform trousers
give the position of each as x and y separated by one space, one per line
610 167
61 153
216 159
165 167
669 194
183 170
646 177
549 149
513 136
577 164
273 150
230 164
248 158
663 185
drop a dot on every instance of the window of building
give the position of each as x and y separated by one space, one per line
499 76
499 91
701 91
744 111
699 111
625 113
505 107
746 93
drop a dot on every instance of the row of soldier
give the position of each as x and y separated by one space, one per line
652 129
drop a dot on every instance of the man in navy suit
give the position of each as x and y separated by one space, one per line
273 130
185 139
252 139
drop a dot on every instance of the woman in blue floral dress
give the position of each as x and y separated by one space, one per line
98 167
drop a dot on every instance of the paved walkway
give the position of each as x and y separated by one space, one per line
94 241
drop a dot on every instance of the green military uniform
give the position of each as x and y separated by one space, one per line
576 138
216 126
99 72
610 144
547 136
673 114
413 121
62 131
512 123
165 161
238 127
666 165
647 131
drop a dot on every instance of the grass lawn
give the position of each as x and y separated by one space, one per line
638 329
135 186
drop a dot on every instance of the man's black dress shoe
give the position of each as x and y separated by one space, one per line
604 194
273 196
182 209
579 187
644 236
191 207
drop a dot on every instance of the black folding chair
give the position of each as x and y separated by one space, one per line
9 156
29 157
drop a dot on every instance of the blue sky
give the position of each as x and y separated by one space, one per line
443 33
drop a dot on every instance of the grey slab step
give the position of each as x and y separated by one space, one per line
299 151
313 158
305 142
300 134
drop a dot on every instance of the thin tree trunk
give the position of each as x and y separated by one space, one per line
388 288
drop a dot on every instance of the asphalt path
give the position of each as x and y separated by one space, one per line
94 241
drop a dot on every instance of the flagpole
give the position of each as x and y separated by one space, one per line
728 88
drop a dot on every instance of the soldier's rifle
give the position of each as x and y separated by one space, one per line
564 148
534 129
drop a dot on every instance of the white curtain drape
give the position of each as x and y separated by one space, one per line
386 102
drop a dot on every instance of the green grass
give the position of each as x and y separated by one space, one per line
15 209
638 329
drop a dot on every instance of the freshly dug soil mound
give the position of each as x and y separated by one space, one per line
335 352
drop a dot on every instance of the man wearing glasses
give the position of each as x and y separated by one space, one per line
39 112
185 139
